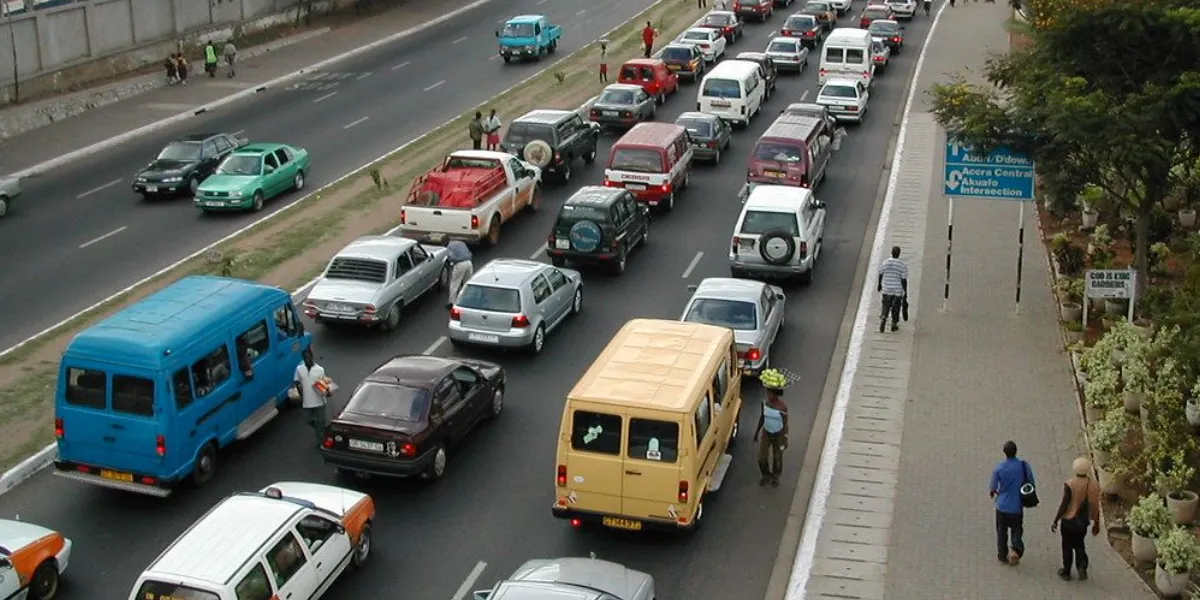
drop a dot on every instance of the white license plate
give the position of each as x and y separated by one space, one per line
610 113
152 188
635 186
724 103
368 446
214 204
562 244
483 338
437 237
338 308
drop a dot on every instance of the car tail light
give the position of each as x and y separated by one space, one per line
59 432
408 450
665 188
810 33
561 476
576 523
683 492
148 481
711 144
369 310
896 39
328 443
823 72
403 218
803 249
626 114
474 221
550 239
455 314
609 183
160 445
728 30
520 321
865 23
785 32
557 157
753 354
851 109
595 114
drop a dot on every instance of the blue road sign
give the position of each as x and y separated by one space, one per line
1001 175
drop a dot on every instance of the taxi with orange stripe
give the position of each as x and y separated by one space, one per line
289 540
32 559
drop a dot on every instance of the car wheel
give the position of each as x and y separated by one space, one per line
590 157
258 201
193 184
392 320
3 205
44 584
507 59
554 46
535 200
493 236
577 301
437 468
687 179
362 549
298 181
699 516
539 340
565 175
717 157
645 235
661 99
736 273
622 262
670 204
206 465
807 277
497 403
558 261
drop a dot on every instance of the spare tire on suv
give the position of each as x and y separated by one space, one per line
777 247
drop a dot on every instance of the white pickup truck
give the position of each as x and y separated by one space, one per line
469 197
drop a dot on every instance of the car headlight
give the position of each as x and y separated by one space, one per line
237 194
531 48
172 179
141 180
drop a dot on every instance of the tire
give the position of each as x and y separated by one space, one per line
622 262
206 465
44 583
661 99
733 435
193 185
493 237
362 549
670 205
577 301
553 46
507 59
558 261
3 205
717 158
808 276
535 201
497 406
645 235
565 175
790 247
392 320
437 468
298 181
258 201
590 157
539 341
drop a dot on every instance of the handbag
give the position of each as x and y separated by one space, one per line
904 308
1029 495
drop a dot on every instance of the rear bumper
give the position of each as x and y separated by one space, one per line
71 470
378 465
590 258
584 516
438 237
511 338
605 121
149 188
765 270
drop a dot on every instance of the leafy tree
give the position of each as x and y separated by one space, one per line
1108 94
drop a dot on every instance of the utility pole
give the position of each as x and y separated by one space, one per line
12 36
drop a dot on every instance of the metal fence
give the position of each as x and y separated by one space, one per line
18 7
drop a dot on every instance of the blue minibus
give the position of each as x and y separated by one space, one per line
146 397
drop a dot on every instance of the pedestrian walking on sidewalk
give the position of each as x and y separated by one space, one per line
772 430
181 68
210 58
1080 506
172 70
492 127
893 282
458 257
475 131
648 35
1007 480
701 3
230 52
313 387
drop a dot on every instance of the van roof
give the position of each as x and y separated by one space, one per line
146 333
655 364
848 34
779 198
790 127
652 135
733 68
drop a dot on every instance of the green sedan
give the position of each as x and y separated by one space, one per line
251 175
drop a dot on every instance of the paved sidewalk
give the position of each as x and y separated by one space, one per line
149 101
909 516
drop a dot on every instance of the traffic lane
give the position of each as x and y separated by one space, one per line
136 246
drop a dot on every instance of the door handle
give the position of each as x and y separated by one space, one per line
628 472
437 212
118 426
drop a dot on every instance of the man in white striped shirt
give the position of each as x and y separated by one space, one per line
893 282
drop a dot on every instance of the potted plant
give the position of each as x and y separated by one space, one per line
1101 390
1178 556
1187 218
1107 433
1112 476
1068 258
1160 258
1172 482
1087 200
1192 408
1148 520
1136 383
1073 332
1070 299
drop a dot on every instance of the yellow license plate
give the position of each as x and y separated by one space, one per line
615 523
674 67
117 476
775 174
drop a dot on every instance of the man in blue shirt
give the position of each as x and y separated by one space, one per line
1005 490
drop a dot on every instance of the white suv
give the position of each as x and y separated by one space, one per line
841 6
903 9
778 235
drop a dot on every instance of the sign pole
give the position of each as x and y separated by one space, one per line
1020 251
1132 293
949 247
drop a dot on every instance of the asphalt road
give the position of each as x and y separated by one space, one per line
494 505
56 258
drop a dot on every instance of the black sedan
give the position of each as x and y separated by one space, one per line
621 106
184 163
889 32
806 27
403 418
727 22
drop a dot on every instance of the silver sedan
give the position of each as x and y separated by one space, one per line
571 579
752 309
10 188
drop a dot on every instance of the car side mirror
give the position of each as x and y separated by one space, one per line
780 296
341 529
693 287
243 142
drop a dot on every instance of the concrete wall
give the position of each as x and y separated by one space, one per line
112 37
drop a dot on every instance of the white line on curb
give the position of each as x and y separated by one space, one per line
355 123
435 345
469 582
104 237
401 65
804 96
436 85
99 188
362 77
460 40
823 485
539 252
325 97
692 265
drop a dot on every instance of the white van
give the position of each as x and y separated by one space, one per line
847 54
733 90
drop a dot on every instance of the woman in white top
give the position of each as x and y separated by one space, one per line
492 127
313 401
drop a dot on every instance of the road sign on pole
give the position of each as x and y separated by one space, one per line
1001 175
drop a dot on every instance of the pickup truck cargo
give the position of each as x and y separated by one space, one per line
528 36
468 197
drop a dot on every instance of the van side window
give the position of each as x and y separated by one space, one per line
721 382
133 395
834 55
286 323
596 432
254 342
651 440
286 559
87 388
854 56
181 384
211 371
255 585
703 419
315 531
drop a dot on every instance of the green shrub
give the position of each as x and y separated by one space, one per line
1150 517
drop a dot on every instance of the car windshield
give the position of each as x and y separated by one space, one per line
180 151
571 213
240 164
617 97
517 30
884 27
806 111
523 133
877 13
817 6
172 591
758 222
778 152
635 159
734 314
721 20
782 47
878 47
839 91
390 401
697 127
486 297
676 53
801 22
721 88
696 36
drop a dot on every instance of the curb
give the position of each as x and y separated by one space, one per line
44 457
70 157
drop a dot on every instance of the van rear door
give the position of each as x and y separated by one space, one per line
594 465
653 461
119 435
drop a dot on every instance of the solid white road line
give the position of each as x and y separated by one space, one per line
539 252
325 97
436 85
469 582
433 348
97 189
401 65
540 2
460 40
581 12
363 76
804 95
692 265
494 57
355 123
104 237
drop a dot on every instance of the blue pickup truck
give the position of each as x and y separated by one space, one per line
528 36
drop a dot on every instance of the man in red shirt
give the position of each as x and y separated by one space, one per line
648 38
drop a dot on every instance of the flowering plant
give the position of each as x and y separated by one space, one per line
1109 432
1135 375
1177 551
1102 387
1150 517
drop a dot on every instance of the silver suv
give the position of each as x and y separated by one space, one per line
778 234
514 303
370 281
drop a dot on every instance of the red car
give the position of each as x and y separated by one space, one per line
873 12
760 9
728 22
804 26
652 74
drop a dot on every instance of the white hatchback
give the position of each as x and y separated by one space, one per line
711 42
846 99
904 9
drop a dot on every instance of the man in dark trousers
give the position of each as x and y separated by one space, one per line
475 131
1005 490
648 34
893 282
772 430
